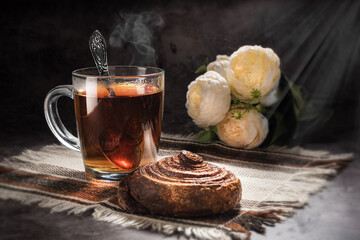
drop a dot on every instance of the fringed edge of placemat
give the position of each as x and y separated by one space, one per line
103 213
268 213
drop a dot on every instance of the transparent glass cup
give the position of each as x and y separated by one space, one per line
118 118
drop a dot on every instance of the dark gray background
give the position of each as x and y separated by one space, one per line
317 42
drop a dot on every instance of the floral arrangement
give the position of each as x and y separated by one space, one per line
231 100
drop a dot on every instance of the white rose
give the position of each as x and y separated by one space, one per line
253 67
208 99
220 65
247 132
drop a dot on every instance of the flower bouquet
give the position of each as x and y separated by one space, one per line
237 99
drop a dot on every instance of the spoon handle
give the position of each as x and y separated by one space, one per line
97 45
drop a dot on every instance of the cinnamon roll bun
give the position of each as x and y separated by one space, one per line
181 186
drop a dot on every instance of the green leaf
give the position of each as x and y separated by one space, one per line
300 114
208 134
235 101
213 129
201 69
204 136
206 61
280 128
248 107
299 102
298 93
311 118
260 108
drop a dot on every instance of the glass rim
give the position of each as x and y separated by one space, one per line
81 75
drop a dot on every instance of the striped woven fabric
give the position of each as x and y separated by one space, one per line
275 181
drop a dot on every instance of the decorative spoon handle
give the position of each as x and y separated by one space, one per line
98 50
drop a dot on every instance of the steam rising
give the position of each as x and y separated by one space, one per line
138 30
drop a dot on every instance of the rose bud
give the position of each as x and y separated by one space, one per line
220 65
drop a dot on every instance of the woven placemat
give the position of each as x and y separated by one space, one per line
275 182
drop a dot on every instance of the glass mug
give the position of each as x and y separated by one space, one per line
118 118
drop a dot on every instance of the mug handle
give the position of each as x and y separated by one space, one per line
53 119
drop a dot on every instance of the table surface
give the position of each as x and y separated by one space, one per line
332 213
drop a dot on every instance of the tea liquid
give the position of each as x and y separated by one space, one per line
119 128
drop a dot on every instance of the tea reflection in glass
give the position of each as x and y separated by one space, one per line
118 118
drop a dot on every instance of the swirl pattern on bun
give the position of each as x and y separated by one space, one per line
182 186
